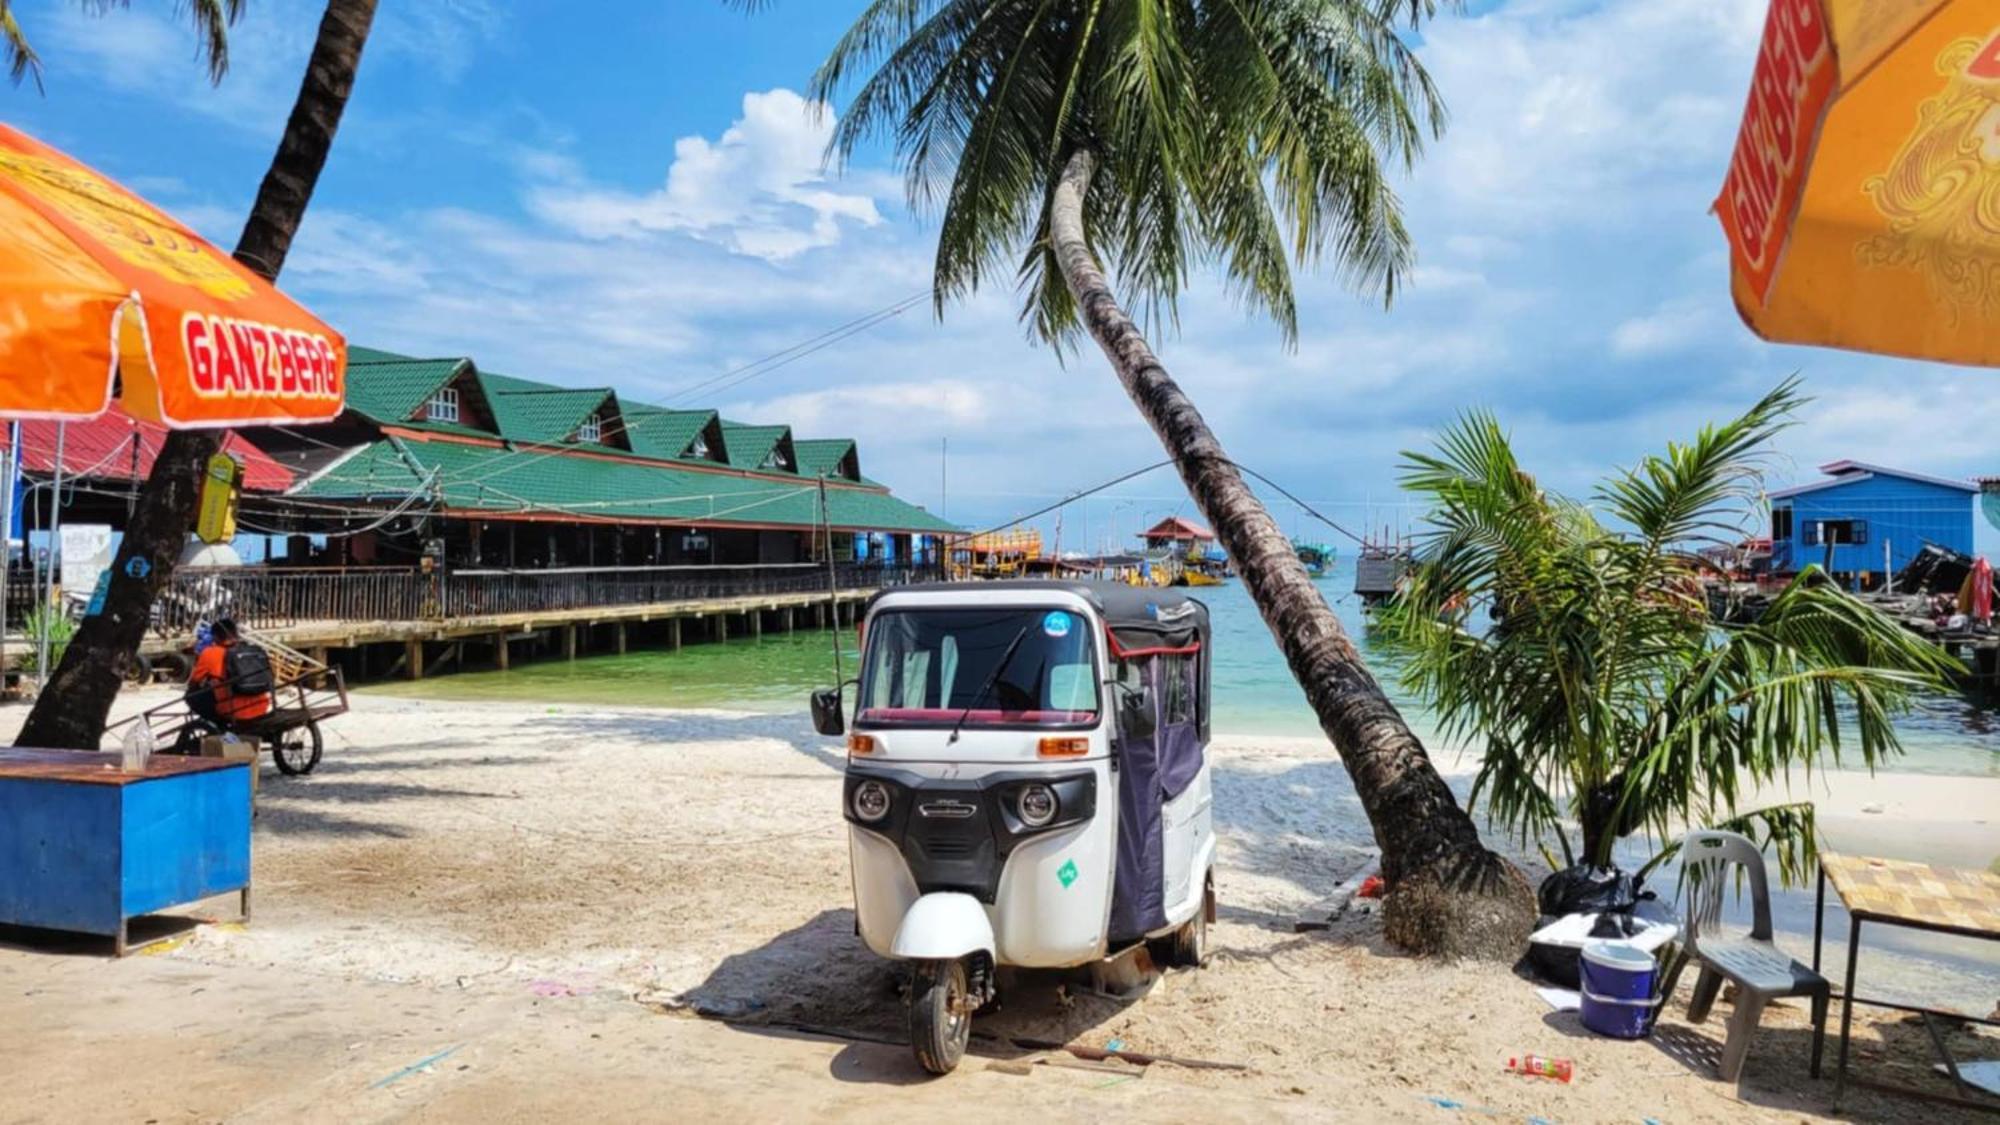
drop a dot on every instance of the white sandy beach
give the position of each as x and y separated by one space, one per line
684 862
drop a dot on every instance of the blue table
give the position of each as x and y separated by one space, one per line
85 846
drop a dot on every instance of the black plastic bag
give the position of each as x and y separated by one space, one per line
1584 889
1605 891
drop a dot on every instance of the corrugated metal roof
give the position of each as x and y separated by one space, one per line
539 412
391 389
103 446
750 446
502 481
658 432
821 455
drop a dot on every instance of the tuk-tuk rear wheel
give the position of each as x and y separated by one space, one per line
1190 942
940 1014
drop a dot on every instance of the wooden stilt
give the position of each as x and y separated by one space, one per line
756 622
618 637
721 626
500 651
413 658
569 642
674 633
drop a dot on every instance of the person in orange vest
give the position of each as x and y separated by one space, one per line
232 678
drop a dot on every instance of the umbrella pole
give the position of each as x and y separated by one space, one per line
49 571
8 475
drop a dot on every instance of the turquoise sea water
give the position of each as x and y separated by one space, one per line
1254 691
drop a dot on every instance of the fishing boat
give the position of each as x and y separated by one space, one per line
1379 570
1203 566
1317 557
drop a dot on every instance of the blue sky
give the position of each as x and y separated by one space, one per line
636 199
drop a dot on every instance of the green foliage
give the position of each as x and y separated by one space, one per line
59 626
1244 133
1601 693
212 20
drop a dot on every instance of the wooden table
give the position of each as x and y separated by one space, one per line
1915 896
86 846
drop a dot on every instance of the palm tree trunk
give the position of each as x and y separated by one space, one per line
1448 894
70 713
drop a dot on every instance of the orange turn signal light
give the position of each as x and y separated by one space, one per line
860 744
1064 747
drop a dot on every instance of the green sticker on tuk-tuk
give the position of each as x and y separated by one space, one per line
1067 873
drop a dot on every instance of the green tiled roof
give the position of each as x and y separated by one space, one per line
748 446
390 389
821 455
501 480
539 412
657 432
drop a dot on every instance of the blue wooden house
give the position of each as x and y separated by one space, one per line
1866 514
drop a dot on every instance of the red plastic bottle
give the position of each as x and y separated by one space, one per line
1562 1070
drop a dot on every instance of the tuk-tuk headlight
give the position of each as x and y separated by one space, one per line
1036 805
870 801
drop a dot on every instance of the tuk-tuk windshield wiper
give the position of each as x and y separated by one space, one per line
979 697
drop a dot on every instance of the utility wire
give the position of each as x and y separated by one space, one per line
1115 481
734 377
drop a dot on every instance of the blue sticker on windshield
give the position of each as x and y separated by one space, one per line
1056 623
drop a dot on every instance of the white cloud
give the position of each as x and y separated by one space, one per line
1570 113
759 189
1570 278
949 403
1677 325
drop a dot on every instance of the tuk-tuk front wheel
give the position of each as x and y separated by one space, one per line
941 1005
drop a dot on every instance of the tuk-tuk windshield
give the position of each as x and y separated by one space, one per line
1008 666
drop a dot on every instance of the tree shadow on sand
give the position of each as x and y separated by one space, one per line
668 728
818 978
1777 1073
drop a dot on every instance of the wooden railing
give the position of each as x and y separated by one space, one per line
275 597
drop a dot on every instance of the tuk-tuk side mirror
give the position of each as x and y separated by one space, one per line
826 713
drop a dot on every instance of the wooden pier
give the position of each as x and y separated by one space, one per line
377 623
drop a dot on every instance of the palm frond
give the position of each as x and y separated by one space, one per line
21 58
1252 134
212 20
1582 657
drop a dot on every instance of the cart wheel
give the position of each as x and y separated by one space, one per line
188 741
140 671
297 750
940 1014
1190 942
173 667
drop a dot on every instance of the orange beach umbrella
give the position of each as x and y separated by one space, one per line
98 286
1862 204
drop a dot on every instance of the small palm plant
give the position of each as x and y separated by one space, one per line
1579 655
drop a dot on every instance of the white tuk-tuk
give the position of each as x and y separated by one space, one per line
1027 785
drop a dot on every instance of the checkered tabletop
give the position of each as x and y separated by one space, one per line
1903 891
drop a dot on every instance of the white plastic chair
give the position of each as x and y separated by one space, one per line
1760 970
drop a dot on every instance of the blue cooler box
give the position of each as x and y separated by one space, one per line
1618 985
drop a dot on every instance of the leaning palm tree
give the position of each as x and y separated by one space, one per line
1071 141
70 712
1581 659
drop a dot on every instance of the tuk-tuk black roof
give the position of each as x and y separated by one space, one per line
1141 618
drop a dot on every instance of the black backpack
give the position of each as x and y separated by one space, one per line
247 667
